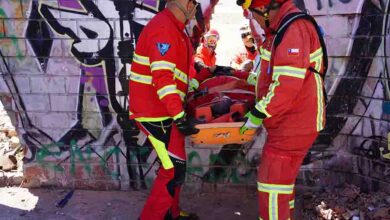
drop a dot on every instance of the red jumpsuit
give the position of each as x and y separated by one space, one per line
292 99
242 56
158 83
204 58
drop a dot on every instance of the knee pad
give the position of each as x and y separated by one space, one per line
179 175
180 171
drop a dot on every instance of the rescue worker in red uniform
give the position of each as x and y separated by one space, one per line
205 56
290 103
158 83
244 59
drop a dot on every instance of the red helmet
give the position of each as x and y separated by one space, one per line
212 32
211 39
258 3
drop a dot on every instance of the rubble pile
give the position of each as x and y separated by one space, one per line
346 203
11 151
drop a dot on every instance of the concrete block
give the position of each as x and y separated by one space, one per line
72 85
11 8
338 46
15 28
52 120
335 26
13 47
108 9
48 84
65 66
36 102
23 84
340 8
315 8
64 103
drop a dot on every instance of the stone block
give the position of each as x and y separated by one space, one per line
13 47
47 84
11 9
34 102
64 103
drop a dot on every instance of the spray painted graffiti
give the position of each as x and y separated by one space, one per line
64 62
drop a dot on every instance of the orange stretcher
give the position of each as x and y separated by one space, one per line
221 133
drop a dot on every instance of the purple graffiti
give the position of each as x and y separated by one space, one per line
95 76
70 4
151 3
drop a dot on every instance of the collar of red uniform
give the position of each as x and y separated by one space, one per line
287 8
180 25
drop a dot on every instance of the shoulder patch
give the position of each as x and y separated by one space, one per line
163 48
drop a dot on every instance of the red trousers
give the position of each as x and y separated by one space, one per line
168 142
280 162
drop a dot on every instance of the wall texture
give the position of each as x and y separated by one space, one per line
64 84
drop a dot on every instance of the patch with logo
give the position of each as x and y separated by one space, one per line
293 51
163 48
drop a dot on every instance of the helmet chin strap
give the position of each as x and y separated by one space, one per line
185 12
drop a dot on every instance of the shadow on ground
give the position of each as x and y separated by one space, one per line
41 204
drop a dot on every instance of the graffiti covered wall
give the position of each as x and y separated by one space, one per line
64 68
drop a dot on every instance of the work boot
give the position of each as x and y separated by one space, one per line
186 216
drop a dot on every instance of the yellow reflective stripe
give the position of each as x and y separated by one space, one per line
265 54
166 90
262 104
291 204
141 59
151 119
162 152
290 71
162 65
181 94
181 114
320 106
181 75
273 206
315 55
194 84
261 108
275 188
141 78
318 64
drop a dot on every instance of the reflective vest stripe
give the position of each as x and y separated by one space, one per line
278 71
194 84
180 75
151 119
275 188
262 104
141 78
181 114
290 71
142 60
315 55
181 94
320 106
273 191
162 152
162 65
166 90
273 206
265 54
291 204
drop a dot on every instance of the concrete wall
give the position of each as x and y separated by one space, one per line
64 83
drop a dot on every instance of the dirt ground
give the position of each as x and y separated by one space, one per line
40 204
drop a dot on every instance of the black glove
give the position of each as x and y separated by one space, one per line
185 126
223 71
